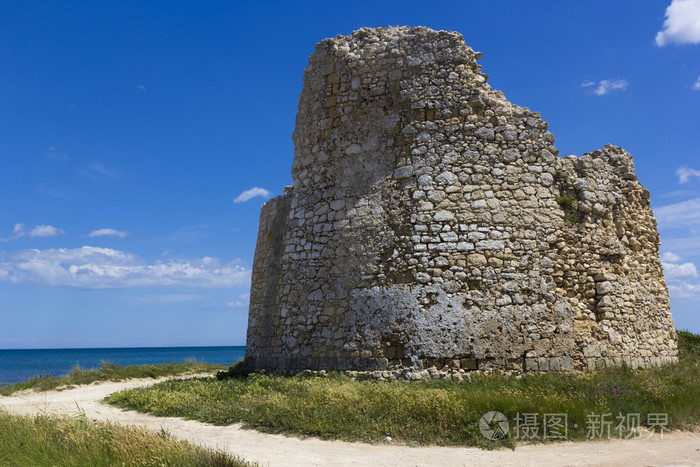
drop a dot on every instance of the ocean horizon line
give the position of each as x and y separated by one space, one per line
18 365
124 347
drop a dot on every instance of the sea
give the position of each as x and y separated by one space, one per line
17 366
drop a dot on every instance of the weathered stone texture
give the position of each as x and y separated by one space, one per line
431 223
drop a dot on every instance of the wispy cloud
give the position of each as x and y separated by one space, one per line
142 87
679 215
670 257
685 291
678 194
45 231
17 232
681 24
696 86
39 231
689 244
242 301
684 174
252 193
104 268
53 153
106 232
100 171
168 298
56 192
188 234
606 86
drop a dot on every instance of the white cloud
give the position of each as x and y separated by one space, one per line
684 174
142 87
683 214
45 231
679 271
104 268
696 86
252 193
103 232
685 291
605 86
682 23
678 194
677 275
670 257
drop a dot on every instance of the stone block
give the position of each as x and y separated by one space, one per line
469 364
531 364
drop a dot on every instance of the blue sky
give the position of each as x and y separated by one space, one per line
132 134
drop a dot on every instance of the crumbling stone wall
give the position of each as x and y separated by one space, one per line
431 223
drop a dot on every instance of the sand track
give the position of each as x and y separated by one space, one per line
677 448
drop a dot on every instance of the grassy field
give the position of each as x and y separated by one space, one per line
65 441
110 372
434 411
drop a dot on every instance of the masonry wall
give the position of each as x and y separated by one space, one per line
431 223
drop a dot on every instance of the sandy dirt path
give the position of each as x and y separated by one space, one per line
675 449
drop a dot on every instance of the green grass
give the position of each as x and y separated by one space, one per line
65 441
567 202
110 372
426 412
689 344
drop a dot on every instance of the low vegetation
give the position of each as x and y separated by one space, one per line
567 202
53 440
436 411
110 372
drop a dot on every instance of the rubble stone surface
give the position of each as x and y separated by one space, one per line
430 224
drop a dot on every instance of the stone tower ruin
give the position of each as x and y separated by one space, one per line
431 223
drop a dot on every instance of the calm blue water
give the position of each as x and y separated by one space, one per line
20 365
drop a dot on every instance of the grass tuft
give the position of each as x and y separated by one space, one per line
567 202
54 440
